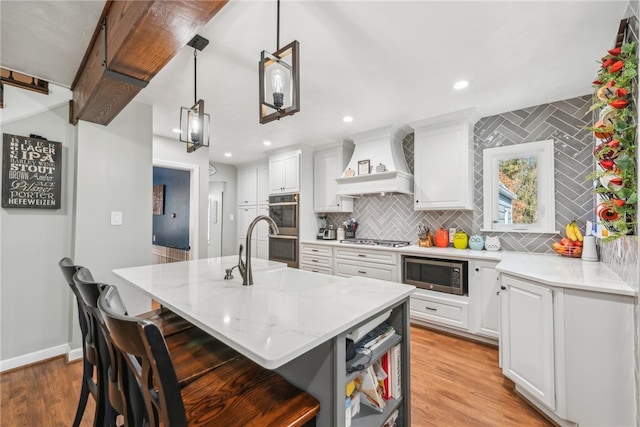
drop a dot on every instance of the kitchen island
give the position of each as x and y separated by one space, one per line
291 321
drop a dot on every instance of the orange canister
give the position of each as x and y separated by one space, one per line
442 238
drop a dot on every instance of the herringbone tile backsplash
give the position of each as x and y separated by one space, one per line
393 217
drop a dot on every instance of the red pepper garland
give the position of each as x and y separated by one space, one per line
615 150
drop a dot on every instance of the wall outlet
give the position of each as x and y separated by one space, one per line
452 231
116 218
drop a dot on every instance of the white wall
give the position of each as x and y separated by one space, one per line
114 173
228 174
36 310
171 151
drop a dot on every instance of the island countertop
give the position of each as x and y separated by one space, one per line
286 313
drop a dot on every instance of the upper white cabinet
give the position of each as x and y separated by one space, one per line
284 172
328 164
247 186
263 184
443 161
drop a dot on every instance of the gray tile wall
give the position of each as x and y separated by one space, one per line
393 217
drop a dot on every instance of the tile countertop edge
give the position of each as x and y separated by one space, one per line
549 269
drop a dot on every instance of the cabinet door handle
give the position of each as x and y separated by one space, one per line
362 255
430 308
362 272
503 288
417 201
314 260
477 269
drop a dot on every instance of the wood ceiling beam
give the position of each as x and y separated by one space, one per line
141 37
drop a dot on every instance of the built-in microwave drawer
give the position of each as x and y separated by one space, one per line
316 250
381 257
315 260
449 311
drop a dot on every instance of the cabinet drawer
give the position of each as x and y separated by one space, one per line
364 255
446 311
316 269
316 250
372 271
315 260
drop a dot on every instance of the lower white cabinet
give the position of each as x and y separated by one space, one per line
527 338
316 258
373 264
569 351
483 291
444 309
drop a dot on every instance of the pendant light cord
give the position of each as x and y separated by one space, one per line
195 76
278 29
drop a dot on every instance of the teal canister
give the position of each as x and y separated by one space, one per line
476 243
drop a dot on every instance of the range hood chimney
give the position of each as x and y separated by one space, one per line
387 171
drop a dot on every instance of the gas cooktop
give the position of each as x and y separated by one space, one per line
376 242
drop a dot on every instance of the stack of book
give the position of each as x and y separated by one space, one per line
382 380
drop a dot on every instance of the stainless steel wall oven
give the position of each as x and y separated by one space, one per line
450 276
283 209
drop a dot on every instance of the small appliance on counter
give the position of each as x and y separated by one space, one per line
322 225
329 233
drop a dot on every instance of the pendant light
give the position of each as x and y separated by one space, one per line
279 80
194 122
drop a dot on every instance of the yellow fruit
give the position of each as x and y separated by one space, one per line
577 231
570 231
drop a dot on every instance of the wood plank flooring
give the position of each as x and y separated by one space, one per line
454 382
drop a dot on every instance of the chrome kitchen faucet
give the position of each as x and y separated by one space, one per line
244 267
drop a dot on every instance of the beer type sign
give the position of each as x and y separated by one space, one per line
31 172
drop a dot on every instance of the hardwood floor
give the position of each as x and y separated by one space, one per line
457 382
454 382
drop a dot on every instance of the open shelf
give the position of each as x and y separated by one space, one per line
363 359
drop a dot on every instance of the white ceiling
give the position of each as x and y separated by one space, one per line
382 62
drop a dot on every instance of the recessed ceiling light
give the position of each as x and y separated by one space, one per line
176 130
347 119
462 84
227 154
266 142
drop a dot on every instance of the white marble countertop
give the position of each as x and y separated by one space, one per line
286 313
550 269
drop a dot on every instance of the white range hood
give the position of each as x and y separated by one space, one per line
382 146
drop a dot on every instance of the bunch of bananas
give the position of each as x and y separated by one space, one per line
571 245
573 232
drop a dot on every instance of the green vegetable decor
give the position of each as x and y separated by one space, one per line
615 149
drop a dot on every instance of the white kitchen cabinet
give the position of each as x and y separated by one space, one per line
328 164
374 264
247 186
443 162
483 291
263 185
527 338
262 235
284 172
440 308
316 258
569 351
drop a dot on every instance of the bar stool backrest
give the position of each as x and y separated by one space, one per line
144 350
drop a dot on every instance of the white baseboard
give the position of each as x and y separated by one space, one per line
74 354
36 356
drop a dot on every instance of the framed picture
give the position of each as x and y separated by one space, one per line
158 199
363 167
